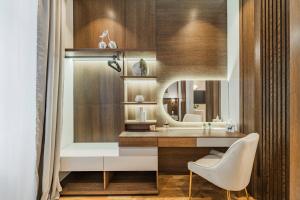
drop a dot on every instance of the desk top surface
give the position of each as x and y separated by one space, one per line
169 132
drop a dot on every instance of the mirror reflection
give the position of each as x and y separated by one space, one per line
197 101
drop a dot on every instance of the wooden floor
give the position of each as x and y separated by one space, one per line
174 187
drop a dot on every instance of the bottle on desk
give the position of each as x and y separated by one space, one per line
166 124
230 127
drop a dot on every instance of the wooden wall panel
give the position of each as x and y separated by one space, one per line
98 93
264 93
91 17
294 91
192 33
191 39
140 24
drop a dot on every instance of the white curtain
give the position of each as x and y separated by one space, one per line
49 98
18 32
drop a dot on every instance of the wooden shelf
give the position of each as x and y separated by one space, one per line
105 50
142 103
139 77
148 122
120 183
96 52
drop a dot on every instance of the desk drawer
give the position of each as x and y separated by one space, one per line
81 164
177 142
215 142
131 163
137 141
138 151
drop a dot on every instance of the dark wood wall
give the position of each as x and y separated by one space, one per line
190 38
91 17
98 93
140 24
265 96
131 23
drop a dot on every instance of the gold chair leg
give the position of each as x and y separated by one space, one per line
190 187
247 194
228 195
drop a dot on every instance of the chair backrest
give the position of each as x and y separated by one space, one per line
192 118
235 167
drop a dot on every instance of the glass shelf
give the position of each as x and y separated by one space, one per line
147 122
139 77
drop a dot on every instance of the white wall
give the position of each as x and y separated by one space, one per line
224 101
67 136
18 22
233 60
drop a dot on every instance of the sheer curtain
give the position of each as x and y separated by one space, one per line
49 98
18 32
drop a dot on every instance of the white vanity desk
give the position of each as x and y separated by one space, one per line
136 153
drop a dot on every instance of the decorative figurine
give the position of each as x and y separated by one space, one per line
111 44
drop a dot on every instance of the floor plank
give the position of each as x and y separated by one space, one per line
173 187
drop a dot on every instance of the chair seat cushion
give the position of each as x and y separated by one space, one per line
208 161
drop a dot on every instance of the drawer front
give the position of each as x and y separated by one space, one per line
177 142
215 142
137 141
138 151
131 163
81 164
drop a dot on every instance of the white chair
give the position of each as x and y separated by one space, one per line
230 171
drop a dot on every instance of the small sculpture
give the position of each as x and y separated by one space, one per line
102 44
111 44
139 98
144 68
140 68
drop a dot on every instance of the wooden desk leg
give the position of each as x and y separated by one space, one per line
157 181
190 187
106 178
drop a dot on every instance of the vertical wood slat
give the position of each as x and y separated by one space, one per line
274 100
276 153
271 177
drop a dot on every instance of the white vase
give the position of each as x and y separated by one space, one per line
102 45
140 114
136 69
112 44
139 98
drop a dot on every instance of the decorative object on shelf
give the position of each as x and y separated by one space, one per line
152 127
140 68
114 64
218 119
141 114
139 98
102 44
111 44
144 68
230 127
